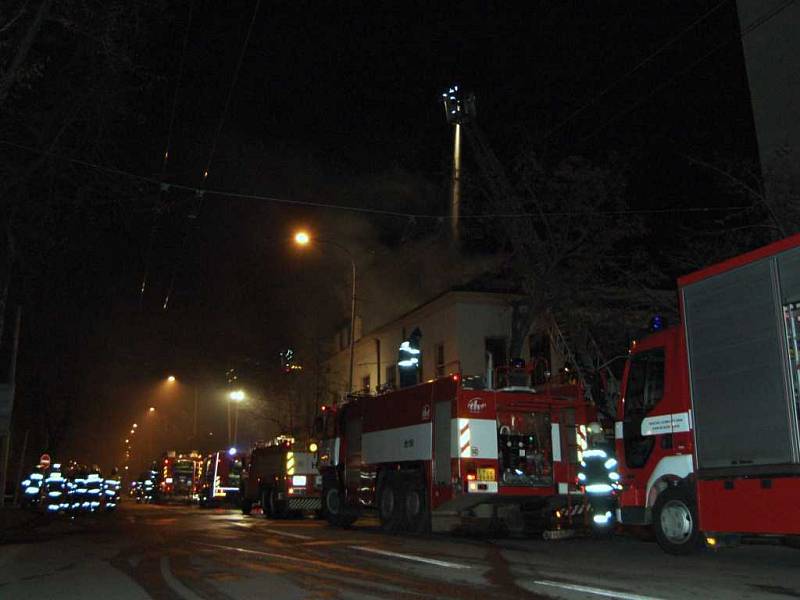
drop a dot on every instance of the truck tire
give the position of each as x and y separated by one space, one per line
391 502
416 509
335 509
277 508
265 504
246 506
675 522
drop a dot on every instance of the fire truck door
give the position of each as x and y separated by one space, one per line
643 391
352 459
442 414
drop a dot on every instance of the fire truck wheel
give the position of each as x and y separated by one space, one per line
334 509
247 506
277 508
675 522
390 503
265 504
417 513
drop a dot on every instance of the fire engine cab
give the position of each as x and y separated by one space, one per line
707 424
453 453
281 478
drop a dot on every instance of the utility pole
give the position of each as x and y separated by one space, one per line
7 404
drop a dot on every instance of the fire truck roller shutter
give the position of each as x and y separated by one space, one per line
473 438
442 467
738 380
401 444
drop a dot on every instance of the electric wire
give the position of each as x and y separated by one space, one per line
763 19
374 211
200 192
649 58
165 159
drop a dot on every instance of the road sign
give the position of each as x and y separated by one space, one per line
44 460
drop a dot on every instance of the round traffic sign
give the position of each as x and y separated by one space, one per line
44 460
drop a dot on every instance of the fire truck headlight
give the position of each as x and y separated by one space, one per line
299 480
581 477
312 447
168 480
610 463
613 476
32 490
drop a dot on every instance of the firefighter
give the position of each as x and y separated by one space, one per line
94 490
32 488
54 490
600 480
111 491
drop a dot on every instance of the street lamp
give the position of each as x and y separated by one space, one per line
171 379
302 239
152 409
236 396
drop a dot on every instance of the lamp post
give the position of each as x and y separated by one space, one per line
236 396
303 238
171 380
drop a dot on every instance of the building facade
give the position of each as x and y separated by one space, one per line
460 331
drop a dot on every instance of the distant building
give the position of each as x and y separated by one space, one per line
461 331
770 32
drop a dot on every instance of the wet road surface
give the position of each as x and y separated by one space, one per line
182 552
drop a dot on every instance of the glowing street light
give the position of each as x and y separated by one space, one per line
135 425
236 396
171 379
302 238
152 409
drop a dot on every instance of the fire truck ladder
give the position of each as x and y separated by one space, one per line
596 362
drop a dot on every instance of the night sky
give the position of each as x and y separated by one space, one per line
337 103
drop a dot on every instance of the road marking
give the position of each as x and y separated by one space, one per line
299 536
319 563
593 590
430 561
173 582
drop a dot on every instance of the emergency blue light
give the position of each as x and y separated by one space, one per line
232 451
657 323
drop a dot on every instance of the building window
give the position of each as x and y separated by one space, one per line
440 360
365 382
391 376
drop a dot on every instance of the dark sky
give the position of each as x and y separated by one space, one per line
338 103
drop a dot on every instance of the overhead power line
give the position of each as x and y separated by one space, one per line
367 210
761 20
649 58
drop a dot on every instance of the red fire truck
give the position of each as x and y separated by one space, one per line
180 476
707 425
281 478
221 479
450 454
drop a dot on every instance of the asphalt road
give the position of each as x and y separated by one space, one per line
181 552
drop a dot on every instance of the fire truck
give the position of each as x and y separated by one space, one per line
707 424
282 479
180 476
221 479
452 453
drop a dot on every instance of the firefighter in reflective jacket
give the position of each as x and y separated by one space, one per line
600 480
